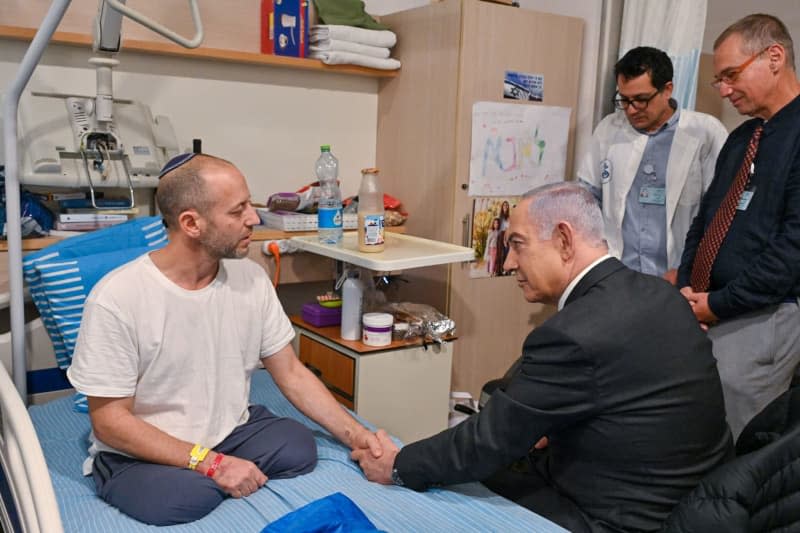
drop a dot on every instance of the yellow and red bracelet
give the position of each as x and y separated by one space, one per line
213 468
197 455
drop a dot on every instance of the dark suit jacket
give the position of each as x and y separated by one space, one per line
623 382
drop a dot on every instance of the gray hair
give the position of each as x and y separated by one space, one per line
185 188
569 202
759 31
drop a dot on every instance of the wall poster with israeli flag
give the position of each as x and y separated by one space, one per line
523 86
516 147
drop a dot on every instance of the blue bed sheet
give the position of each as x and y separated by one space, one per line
469 507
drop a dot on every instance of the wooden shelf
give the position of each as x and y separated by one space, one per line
32 244
202 53
260 233
332 333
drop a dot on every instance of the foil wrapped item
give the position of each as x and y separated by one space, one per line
423 321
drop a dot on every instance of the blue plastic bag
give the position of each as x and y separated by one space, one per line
332 514
36 220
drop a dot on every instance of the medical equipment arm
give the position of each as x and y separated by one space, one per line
109 22
107 38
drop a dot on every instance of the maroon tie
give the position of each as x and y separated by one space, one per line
716 231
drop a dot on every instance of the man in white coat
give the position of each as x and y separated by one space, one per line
649 165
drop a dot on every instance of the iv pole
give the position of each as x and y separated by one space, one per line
107 30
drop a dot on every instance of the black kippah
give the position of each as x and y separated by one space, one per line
175 162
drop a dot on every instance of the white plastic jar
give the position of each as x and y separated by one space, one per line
377 329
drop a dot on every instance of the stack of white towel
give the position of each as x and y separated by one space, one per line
348 45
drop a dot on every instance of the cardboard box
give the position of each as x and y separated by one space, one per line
284 27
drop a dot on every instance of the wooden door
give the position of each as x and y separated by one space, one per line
493 317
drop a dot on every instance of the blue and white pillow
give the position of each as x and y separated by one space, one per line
61 276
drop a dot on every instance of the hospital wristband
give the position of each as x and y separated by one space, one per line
214 465
197 455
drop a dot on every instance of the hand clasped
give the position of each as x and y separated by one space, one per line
377 469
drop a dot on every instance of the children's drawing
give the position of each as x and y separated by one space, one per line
516 147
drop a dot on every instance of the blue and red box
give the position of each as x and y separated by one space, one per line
284 27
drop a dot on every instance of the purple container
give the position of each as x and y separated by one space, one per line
319 316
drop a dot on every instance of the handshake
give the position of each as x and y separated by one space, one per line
375 454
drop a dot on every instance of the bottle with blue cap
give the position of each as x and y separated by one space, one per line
329 217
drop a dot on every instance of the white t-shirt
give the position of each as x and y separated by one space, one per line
186 356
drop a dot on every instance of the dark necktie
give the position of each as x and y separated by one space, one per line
716 231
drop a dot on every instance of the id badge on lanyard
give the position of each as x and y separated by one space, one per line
747 194
653 195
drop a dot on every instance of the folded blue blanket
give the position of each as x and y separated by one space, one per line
332 514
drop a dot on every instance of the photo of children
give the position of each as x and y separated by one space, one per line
490 250
489 225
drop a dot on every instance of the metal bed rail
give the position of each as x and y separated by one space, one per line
24 465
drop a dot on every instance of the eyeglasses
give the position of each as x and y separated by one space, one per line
639 103
730 75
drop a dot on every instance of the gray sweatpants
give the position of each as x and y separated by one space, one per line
164 495
757 354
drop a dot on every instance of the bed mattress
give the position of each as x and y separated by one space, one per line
469 507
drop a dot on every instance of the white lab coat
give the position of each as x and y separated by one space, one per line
618 147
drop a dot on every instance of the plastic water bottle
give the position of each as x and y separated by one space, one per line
352 300
370 212
329 217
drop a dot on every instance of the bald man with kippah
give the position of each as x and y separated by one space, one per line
165 353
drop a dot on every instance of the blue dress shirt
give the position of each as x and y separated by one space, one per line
644 226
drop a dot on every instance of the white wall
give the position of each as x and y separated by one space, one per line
722 13
385 7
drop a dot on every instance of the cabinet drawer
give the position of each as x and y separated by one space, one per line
335 370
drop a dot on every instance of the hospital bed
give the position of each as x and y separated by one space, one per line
63 432
44 446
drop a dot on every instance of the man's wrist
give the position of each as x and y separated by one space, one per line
197 456
357 436
395 477
204 465
713 301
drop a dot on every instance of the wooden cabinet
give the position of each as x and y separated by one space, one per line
403 388
455 53
335 370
